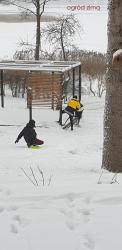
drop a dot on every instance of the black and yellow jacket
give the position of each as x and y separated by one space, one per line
74 103
72 106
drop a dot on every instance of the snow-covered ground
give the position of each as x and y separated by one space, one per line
71 211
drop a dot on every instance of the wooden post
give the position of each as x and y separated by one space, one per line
61 97
30 102
53 90
79 83
73 77
2 90
30 112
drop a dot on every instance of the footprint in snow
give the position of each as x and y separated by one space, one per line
1 209
89 242
8 192
73 152
17 222
13 229
87 200
13 208
20 221
86 214
71 221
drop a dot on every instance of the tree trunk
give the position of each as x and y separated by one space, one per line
38 17
62 44
112 146
90 86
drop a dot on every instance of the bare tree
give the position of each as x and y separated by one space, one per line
112 147
37 9
94 67
16 81
61 32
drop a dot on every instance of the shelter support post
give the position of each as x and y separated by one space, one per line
60 116
30 112
53 90
1 90
73 78
61 99
79 83
30 103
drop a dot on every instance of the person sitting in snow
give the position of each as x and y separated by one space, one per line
29 135
74 108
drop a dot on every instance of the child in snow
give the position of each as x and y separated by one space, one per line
74 108
29 135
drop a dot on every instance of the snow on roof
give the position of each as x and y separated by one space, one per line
50 66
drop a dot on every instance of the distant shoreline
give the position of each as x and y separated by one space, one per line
15 18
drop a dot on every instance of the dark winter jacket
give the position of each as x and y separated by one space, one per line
28 133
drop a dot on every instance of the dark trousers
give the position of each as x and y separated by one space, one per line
78 114
71 121
70 117
36 142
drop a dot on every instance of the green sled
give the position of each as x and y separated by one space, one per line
35 147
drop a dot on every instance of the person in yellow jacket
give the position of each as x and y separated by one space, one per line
73 106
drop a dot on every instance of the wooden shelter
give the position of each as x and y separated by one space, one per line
44 81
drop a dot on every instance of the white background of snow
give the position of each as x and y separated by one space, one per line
73 212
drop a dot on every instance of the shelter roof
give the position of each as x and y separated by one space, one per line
49 66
